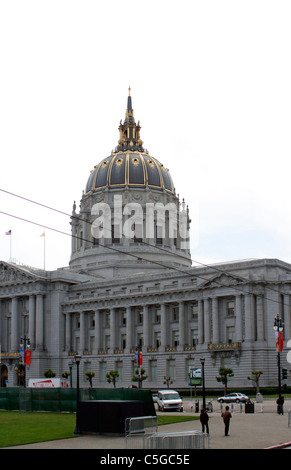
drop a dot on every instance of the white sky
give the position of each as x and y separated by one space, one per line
210 85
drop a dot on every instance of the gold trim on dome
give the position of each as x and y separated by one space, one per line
135 161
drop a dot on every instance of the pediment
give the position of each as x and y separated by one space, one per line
222 280
12 274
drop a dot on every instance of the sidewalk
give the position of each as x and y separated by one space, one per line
247 431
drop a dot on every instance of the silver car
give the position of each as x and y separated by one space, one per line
233 398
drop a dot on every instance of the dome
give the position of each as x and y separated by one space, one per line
130 169
130 165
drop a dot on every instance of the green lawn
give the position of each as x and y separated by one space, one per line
23 428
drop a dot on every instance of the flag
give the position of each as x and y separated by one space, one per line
9 232
279 341
27 357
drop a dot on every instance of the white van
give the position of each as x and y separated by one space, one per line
169 400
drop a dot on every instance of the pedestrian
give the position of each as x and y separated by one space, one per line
226 415
280 403
204 420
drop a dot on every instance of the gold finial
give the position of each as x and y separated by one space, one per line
129 90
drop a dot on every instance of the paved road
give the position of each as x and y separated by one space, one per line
260 430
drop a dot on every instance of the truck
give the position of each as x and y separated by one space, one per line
48 383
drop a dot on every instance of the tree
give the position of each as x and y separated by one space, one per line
224 373
89 376
167 381
66 375
255 378
141 377
49 374
112 377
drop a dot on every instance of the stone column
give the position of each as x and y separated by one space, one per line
112 330
260 318
146 327
82 332
163 327
200 322
181 326
206 322
129 332
31 316
97 330
249 317
68 332
39 322
215 321
14 325
238 318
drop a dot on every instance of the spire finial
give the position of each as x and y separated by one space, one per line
129 90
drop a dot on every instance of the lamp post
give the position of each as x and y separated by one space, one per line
202 360
278 327
77 428
24 347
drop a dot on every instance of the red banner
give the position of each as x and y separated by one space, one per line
27 358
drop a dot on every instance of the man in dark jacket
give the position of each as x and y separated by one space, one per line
204 420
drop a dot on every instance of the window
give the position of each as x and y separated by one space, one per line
230 307
157 339
175 313
137 233
115 233
194 314
194 337
159 235
157 315
230 334
171 366
153 370
175 338
77 322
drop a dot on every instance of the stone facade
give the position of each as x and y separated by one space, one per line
136 288
224 313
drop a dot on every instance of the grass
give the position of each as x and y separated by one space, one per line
24 428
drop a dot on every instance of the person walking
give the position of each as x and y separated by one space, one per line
204 418
280 403
226 415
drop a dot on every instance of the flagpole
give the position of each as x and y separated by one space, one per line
43 235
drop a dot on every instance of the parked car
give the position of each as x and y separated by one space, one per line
233 398
169 400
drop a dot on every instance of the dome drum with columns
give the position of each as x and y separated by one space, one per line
131 177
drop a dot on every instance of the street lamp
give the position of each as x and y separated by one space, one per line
202 360
25 354
278 327
77 428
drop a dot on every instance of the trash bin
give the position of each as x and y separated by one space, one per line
196 406
249 407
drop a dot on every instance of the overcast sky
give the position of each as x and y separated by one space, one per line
210 84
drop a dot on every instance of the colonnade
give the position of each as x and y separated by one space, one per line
12 324
247 321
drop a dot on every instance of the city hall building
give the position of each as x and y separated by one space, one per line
130 284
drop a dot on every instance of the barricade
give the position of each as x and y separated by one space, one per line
141 424
141 433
